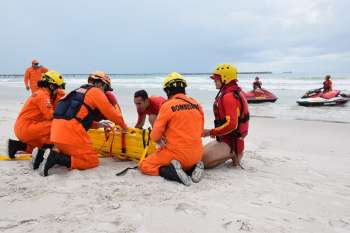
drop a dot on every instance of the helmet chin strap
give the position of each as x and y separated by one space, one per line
52 88
167 91
104 87
222 86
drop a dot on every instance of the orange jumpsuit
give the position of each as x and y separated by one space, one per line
72 139
34 121
182 125
32 76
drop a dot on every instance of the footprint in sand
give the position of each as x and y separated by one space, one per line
245 226
305 185
6 224
189 209
241 225
339 223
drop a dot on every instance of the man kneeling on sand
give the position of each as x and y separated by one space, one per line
179 126
231 119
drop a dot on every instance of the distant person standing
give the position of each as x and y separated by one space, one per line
257 84
327 84
147 106
33 75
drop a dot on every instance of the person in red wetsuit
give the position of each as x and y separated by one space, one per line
231 119
327 84
257 84
147 106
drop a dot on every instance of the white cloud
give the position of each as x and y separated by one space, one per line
160 35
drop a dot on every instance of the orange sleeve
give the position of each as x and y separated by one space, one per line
101 102
161 122
44 103
60 93
26 77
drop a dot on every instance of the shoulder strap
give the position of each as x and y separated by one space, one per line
242 118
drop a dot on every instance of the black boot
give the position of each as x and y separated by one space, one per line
13 146
174 172
38 155
52 158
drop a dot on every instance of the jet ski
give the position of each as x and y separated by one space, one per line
260 96
318 98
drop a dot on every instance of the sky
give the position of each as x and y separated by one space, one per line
156 36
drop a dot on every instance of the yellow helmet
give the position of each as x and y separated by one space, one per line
54 77
226 72
172 79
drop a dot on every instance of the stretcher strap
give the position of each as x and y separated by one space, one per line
111 146
104 143
123 172
144 153
123 142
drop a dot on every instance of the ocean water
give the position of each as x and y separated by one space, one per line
288 87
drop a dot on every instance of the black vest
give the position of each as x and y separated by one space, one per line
69 106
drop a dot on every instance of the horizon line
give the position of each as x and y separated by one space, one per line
160 73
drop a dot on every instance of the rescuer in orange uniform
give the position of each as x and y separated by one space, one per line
33 75
33 124
231 119
73 116
179 126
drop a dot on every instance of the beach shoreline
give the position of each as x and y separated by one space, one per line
295 179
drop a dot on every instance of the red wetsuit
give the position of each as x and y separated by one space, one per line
232 118
327 85
257 85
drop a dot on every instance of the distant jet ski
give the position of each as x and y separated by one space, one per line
318 98
260 96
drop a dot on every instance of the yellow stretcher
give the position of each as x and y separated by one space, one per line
134 144
18 157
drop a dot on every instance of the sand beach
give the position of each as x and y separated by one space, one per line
295 179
